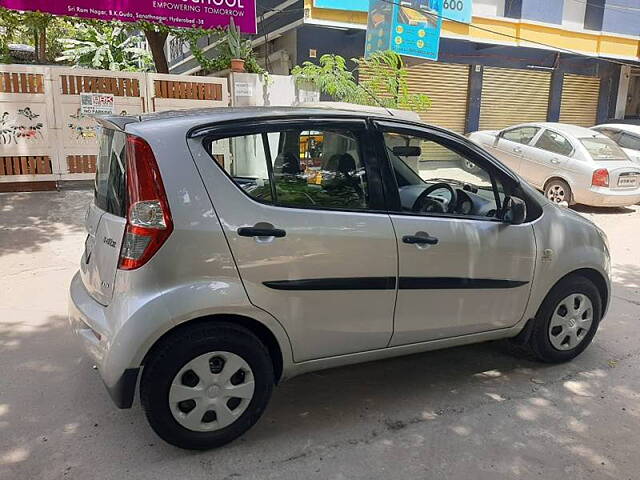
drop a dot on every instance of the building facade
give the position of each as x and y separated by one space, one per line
572 61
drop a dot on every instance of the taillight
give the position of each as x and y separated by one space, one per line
149 222
600 178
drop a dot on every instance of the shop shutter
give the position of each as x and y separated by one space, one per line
511 96
446 85
580 100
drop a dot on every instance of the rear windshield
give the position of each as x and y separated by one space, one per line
603 149
110 184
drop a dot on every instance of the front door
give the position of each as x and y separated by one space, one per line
461 269
510 144
302 208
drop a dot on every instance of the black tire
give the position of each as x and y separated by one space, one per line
175 352
537 341
562 188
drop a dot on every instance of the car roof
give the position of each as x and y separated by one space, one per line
195 117
571 130
621 126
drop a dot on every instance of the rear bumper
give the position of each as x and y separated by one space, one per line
89 323
605 197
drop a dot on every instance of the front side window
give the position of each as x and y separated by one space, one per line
522 135
603 149
434 179
555 143
297 168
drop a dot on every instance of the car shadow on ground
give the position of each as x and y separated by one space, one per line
603 210
31 220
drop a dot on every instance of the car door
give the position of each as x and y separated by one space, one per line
509 145
302 208
550 155
460 272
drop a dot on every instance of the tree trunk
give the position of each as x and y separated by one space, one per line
156 44
42 45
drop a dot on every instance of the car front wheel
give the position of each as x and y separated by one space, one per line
207 385
567 320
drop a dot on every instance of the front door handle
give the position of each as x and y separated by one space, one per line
420 238
517 150
261 232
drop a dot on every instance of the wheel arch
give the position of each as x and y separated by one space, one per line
259 329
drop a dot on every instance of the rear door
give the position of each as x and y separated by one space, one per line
105 220
550 155
302 209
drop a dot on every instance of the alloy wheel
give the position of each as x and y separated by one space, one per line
571 322
211 391
556 193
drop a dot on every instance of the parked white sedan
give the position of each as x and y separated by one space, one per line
568 163
626 136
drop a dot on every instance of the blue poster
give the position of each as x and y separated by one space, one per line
458 10
411 28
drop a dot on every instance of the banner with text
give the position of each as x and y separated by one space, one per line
458 10
411 30
175 13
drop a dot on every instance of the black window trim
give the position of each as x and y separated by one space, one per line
457 143
355 125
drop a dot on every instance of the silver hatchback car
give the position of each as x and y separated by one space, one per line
231 249
568 163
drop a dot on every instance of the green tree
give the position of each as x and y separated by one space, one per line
382 81
110 47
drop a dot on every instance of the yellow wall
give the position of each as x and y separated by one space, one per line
608 45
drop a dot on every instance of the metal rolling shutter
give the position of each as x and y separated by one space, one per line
511 96
580 100
447 86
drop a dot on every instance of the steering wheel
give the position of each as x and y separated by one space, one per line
426 204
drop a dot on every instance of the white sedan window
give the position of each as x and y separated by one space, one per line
555 143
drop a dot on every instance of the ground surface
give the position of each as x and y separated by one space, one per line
473 412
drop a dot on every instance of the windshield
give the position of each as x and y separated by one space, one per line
604 149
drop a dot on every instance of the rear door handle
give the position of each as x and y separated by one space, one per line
555 161
261 232
420 239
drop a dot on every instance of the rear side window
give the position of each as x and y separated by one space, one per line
110 185
297 168
603 149
555 143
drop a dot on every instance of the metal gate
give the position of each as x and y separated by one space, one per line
580 100
511 96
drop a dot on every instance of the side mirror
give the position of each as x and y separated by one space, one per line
514 211
407 151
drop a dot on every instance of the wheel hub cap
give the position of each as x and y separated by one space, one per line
211 391
571 322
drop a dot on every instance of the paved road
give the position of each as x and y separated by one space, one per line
472 412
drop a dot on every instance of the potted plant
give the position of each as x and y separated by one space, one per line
239 48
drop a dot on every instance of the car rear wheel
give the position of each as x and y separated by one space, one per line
558 191
566 322
207 385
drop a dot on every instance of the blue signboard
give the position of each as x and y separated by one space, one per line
411 28
458 10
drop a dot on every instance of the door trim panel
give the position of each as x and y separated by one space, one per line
389 283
